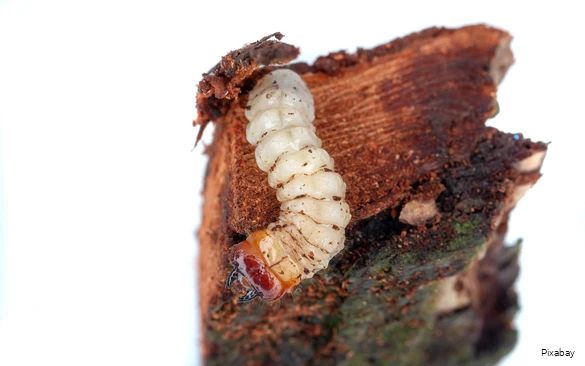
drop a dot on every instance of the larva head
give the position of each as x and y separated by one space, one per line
253 273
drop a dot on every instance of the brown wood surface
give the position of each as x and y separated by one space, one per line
403 121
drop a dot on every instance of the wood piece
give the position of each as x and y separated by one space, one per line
404 121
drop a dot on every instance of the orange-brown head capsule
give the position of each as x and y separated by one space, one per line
254 273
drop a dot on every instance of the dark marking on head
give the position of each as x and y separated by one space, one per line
251 295
234 275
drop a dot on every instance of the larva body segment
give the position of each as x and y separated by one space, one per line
321 211
276 143
320 185
306 161
281 89
274 120
311 227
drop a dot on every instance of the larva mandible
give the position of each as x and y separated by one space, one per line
313 213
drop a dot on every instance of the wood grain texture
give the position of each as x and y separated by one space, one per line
403 113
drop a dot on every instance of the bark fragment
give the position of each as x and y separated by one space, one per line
223 82
403 121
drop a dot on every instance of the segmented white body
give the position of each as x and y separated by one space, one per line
311 227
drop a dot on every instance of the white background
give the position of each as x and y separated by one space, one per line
100 192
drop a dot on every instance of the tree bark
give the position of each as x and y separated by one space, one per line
424 277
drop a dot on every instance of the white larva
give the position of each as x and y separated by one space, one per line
313 215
